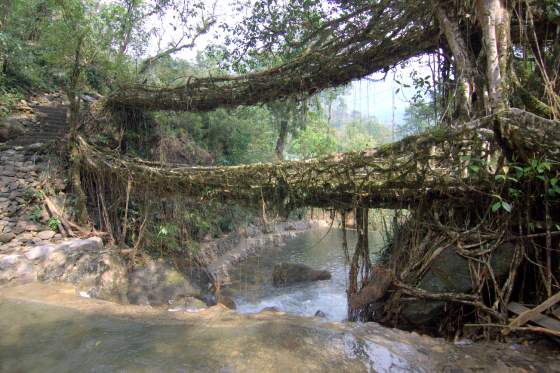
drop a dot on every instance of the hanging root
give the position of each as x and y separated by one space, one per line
454 266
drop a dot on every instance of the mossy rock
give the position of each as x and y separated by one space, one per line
157 283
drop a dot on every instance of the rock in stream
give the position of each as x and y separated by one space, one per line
286 274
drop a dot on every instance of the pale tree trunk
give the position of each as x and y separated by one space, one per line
464 68
282 112
127 28
494 20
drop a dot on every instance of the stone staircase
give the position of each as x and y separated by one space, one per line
53 126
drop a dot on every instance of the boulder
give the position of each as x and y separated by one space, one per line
449 273
286 274
157 283
46 235
97 273
112 280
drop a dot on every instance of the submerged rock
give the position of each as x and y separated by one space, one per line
286 274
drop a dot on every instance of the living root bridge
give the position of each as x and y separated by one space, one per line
427 167
381 35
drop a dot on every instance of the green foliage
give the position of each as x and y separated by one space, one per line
269 32
243 135
40 39
35 214
165 238
474 164
418 118
360 134
178 225
552 10
501 204
8 101
536 170
31 196
54 223
317 139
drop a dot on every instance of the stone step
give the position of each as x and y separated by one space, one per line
54 126
49 127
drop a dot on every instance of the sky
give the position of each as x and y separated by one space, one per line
378 94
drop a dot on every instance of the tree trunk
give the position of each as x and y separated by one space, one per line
494 20
281 141
464 68
72 91
75 176
360 265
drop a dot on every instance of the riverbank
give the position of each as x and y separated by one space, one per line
102 271
126 337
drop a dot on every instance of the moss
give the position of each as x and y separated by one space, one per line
173 278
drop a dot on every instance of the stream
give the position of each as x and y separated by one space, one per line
49 328
319 248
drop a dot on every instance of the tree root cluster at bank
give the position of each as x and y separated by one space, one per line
453 267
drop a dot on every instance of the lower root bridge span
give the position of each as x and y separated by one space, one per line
430 166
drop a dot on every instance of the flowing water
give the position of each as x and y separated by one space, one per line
48 328
319 248
46 338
